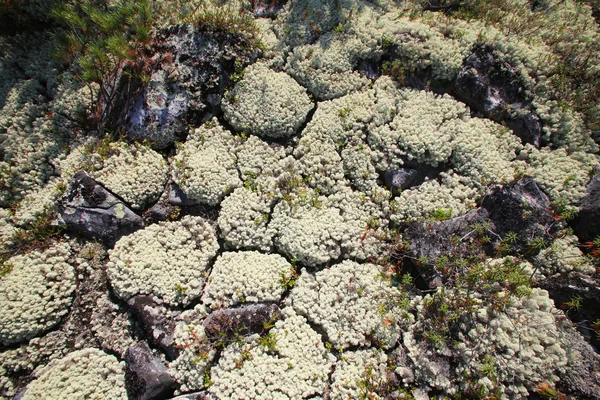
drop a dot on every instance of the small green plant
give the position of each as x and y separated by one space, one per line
288 278
181 290
206 378
441 214
230 20
344 112
269 342
537 243
545 390
387 42
574 303
5 268
563 211
339 28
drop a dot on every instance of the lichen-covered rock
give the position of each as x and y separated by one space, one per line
227 324
205 166
83 374
267 103
293 364
317 229
353 303
154 319
246 276
451 195
563 256
135 173
168 260
491 86
326 67
35 293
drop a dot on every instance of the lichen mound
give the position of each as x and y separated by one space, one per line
353 303
135 173
84 374
267 103
523 343
359 374
196 351
294 365
35 294
168 260
246 276
205 166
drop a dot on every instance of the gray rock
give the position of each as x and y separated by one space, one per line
178 198
186 87
401 179
92 211
494 88
153 318
146 378
580 379
587 222
228 323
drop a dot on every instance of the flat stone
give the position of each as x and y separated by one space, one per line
146 378
92 211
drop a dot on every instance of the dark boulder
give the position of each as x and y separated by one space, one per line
564 288
192 69
452 239
493 87
520 212
146 378
523 209
92 211
227 324
580 379
587 222
401 179
154 321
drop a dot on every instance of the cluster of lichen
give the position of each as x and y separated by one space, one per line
303 213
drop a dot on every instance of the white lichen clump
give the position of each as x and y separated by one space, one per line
196 352
244 220
359 374
267 103
246 276
293 364
563 256
84 374
353 303
523 341
205 166
135 173
35 293
168 260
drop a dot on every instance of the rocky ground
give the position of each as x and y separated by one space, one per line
302 200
